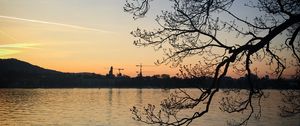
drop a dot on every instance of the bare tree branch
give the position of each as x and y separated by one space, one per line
193 28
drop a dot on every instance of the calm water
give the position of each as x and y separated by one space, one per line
109 107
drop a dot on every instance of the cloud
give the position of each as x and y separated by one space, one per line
55 23
10 49
19 45
5 52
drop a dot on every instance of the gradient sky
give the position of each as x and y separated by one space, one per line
75 36
79 35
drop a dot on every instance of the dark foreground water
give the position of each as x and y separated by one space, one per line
110 107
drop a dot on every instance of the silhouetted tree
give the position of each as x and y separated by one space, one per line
165 76
291 100
199 28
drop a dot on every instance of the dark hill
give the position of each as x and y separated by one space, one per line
14 66
16 73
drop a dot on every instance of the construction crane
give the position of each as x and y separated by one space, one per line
119 69
110 73
140 73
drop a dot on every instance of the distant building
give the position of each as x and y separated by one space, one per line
110 72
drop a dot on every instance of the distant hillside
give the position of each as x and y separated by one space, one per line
14 66
17 73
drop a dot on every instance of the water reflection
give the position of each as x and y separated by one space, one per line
108 107
139 100
118 97
109 95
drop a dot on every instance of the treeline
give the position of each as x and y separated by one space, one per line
18 74
98 81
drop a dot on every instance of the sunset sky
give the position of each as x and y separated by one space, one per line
79 35
75 36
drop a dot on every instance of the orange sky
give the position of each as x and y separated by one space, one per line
74 36
79 36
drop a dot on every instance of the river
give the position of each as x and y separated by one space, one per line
111 107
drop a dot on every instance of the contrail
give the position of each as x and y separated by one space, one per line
54 23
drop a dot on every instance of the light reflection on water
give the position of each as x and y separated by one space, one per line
108 107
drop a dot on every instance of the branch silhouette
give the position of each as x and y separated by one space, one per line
194 28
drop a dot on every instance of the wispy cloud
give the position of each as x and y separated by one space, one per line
10 49
6 52
55 23
19 45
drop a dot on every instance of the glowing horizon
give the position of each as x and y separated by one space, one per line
81 36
